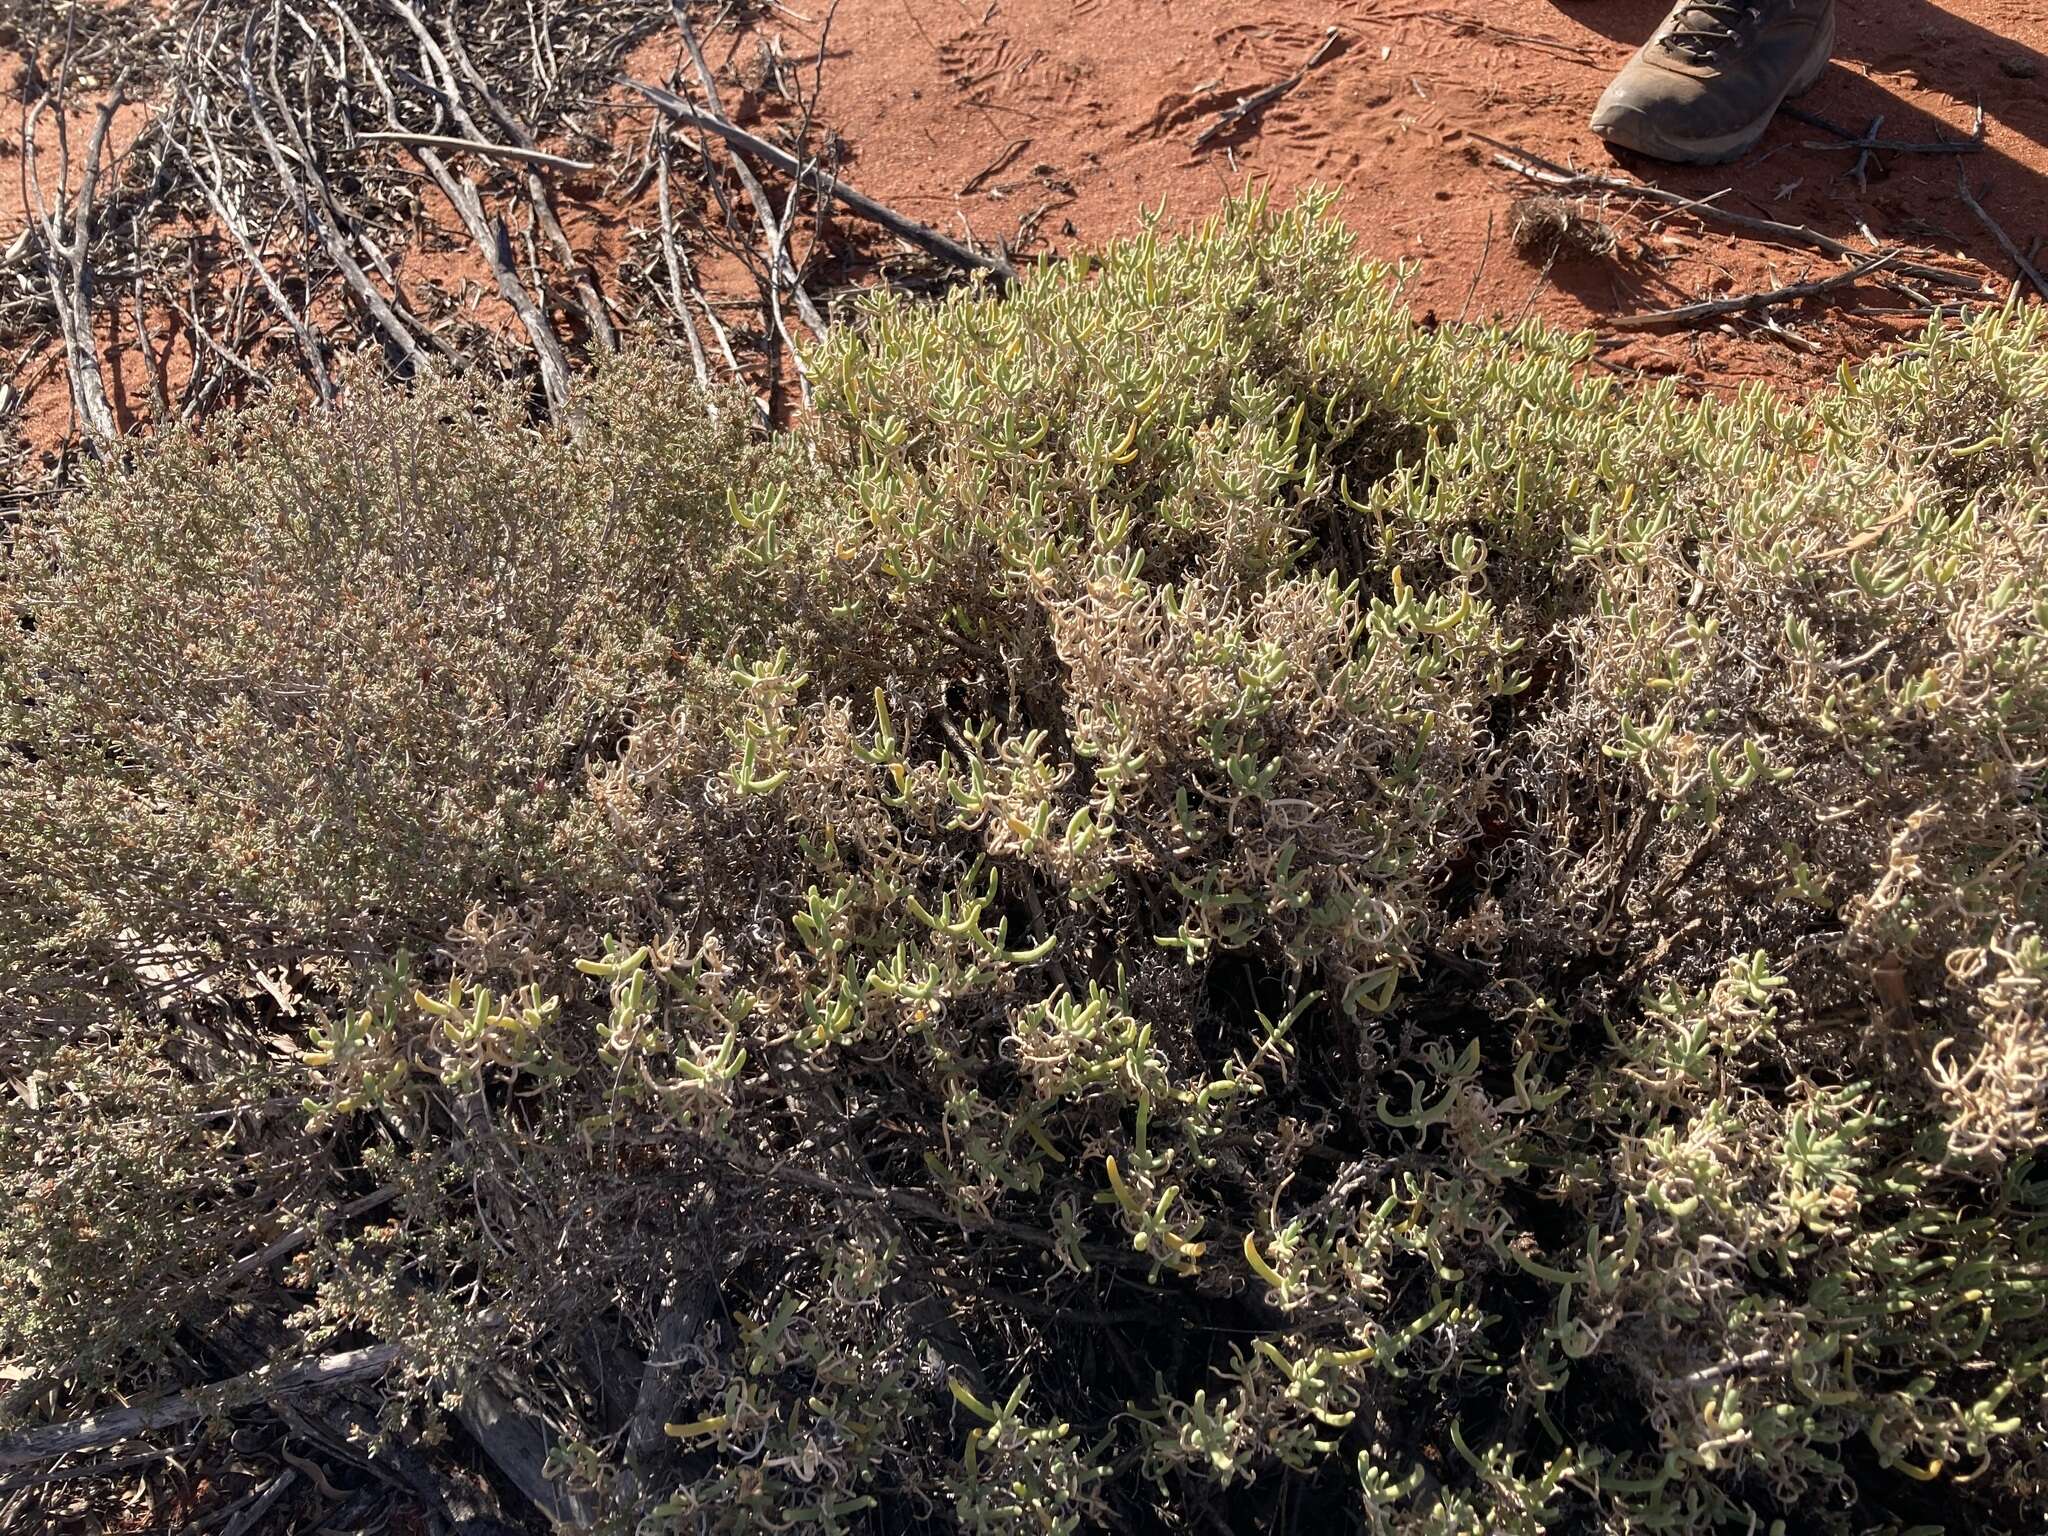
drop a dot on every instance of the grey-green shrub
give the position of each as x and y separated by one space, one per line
1212 901
299 690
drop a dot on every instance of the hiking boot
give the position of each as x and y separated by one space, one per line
1706 84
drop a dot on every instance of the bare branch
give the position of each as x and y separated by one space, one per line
474 147
35 1446
829 187
1738 302
1551 174
2026 267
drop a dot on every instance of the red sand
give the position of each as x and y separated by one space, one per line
1048 124
1092 105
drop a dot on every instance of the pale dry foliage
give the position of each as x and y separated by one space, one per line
1194 898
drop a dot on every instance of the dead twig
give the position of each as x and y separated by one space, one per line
231 220
672 256
518 152
36 1446
487 232
1248 107
1010 152
1848 139
67 265
2026 267
1549 173
1860 170
781 268
84 1471
827 186
273 1491
661 1383
521 1445
1478 272
314 220
1737 303
589 300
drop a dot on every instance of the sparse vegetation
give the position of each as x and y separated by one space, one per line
1196 908
1546 226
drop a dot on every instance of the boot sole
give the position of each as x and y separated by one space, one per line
1627 129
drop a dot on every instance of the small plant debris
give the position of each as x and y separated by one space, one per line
1545 227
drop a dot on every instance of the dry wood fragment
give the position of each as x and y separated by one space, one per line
829 187
87 1471
588 300
275 1489
485 229
1249 107
475 147
1737 303
1010 152
36 1446
2026 267
230 219
782 269
1549 173
67 264
518 1443
314 220
1847 139
672 256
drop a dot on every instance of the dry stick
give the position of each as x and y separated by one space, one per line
1736 303
673 258
215 194
35 1446
490 237
801 137
1896 146
467 202
1768 324
66 265
472 146
199 392
272 1492
313 220
294 1240
520 1445
1687 206
782 269
81 1471
775 325
589 301
718 330
1974 144
829 186
207 339
2004 240
541 197
342 218
153 361
1010 152
1251 106
1550 174
1478 272
371 66
664 1378
1860 170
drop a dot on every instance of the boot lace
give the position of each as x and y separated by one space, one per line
1706 26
